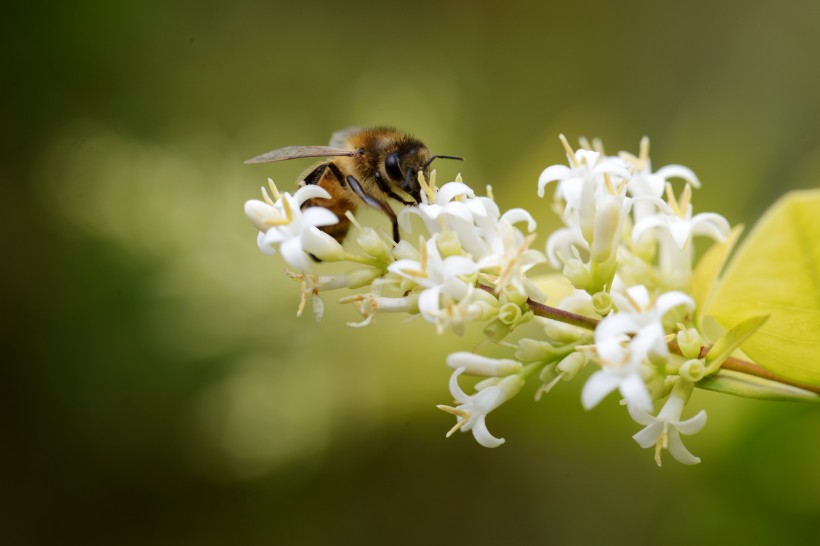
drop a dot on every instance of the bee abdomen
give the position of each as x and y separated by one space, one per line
338 205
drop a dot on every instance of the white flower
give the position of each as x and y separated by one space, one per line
580 182
681 225
675 232
441 279
625 341
472 411
509 257
295 231
644 182
664 430
445 203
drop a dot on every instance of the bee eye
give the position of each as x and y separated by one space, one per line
392 167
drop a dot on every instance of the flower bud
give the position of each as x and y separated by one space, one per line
606 230
689 342
485 383
510 294
510 314
474 364
571 364
496 330
361 276
532 350
693 370
602 303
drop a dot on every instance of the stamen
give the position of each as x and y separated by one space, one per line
353 220
423 251
489 190
273 189
508 267
644 151
685 199
670 198
266 197
276 222
288 210
431 195
584 143
608 184
463 417
568 148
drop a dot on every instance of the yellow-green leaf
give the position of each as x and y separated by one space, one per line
776 272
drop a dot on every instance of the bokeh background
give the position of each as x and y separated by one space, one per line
157 386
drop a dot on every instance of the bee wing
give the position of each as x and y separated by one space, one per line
340 137
295 152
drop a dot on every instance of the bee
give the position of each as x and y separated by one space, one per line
369 166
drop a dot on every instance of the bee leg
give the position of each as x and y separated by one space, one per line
316 174
375 203
386 189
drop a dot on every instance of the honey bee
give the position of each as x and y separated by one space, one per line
370 165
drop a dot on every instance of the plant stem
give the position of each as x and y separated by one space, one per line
553 313
590 323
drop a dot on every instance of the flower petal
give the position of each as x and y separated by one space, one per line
552 174
293 254
597 387
648 436
482 434
692 425
634 391
678 450
678 171
451 190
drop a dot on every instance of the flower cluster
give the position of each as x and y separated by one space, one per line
626 257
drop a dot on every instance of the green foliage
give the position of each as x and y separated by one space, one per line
776 272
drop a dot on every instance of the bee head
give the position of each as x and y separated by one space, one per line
403 165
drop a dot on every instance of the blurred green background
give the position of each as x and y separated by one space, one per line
158 388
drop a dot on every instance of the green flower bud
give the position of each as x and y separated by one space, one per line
510 314
689 342
602 303
693 370
496 330
532 350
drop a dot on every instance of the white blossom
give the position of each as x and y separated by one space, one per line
625 342
441 279
664 431
674 235
471 412
295 231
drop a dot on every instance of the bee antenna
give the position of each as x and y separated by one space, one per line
427 164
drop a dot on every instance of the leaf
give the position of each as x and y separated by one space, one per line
731 340
750 386
776 272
